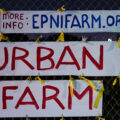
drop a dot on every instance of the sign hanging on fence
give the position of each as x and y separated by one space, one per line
54 58
53 98
55 22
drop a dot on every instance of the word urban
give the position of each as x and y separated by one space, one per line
40 58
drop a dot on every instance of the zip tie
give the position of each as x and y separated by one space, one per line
61 9
98 97
61 37
38 39
38 78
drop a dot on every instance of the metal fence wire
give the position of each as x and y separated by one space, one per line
111 96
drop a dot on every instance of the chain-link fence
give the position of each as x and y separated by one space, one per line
111 97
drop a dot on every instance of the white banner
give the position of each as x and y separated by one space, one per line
51 99
55 22
55 58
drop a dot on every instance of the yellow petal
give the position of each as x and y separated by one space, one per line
114 82
0 36
38 39
29 78
39 79
99 81
71 85
88 81
98 97
119 79
71 78
101 118
3 11
118 42
61 9
61 37
62 117
42 81
3 37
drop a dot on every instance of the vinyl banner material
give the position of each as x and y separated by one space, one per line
55 22
51 99
55 58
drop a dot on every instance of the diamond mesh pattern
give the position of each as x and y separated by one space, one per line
111 98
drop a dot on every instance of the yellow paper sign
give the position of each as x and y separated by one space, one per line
38 39
61 37
38 78
61 9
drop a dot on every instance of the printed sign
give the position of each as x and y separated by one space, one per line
55 22
21 99
55 58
